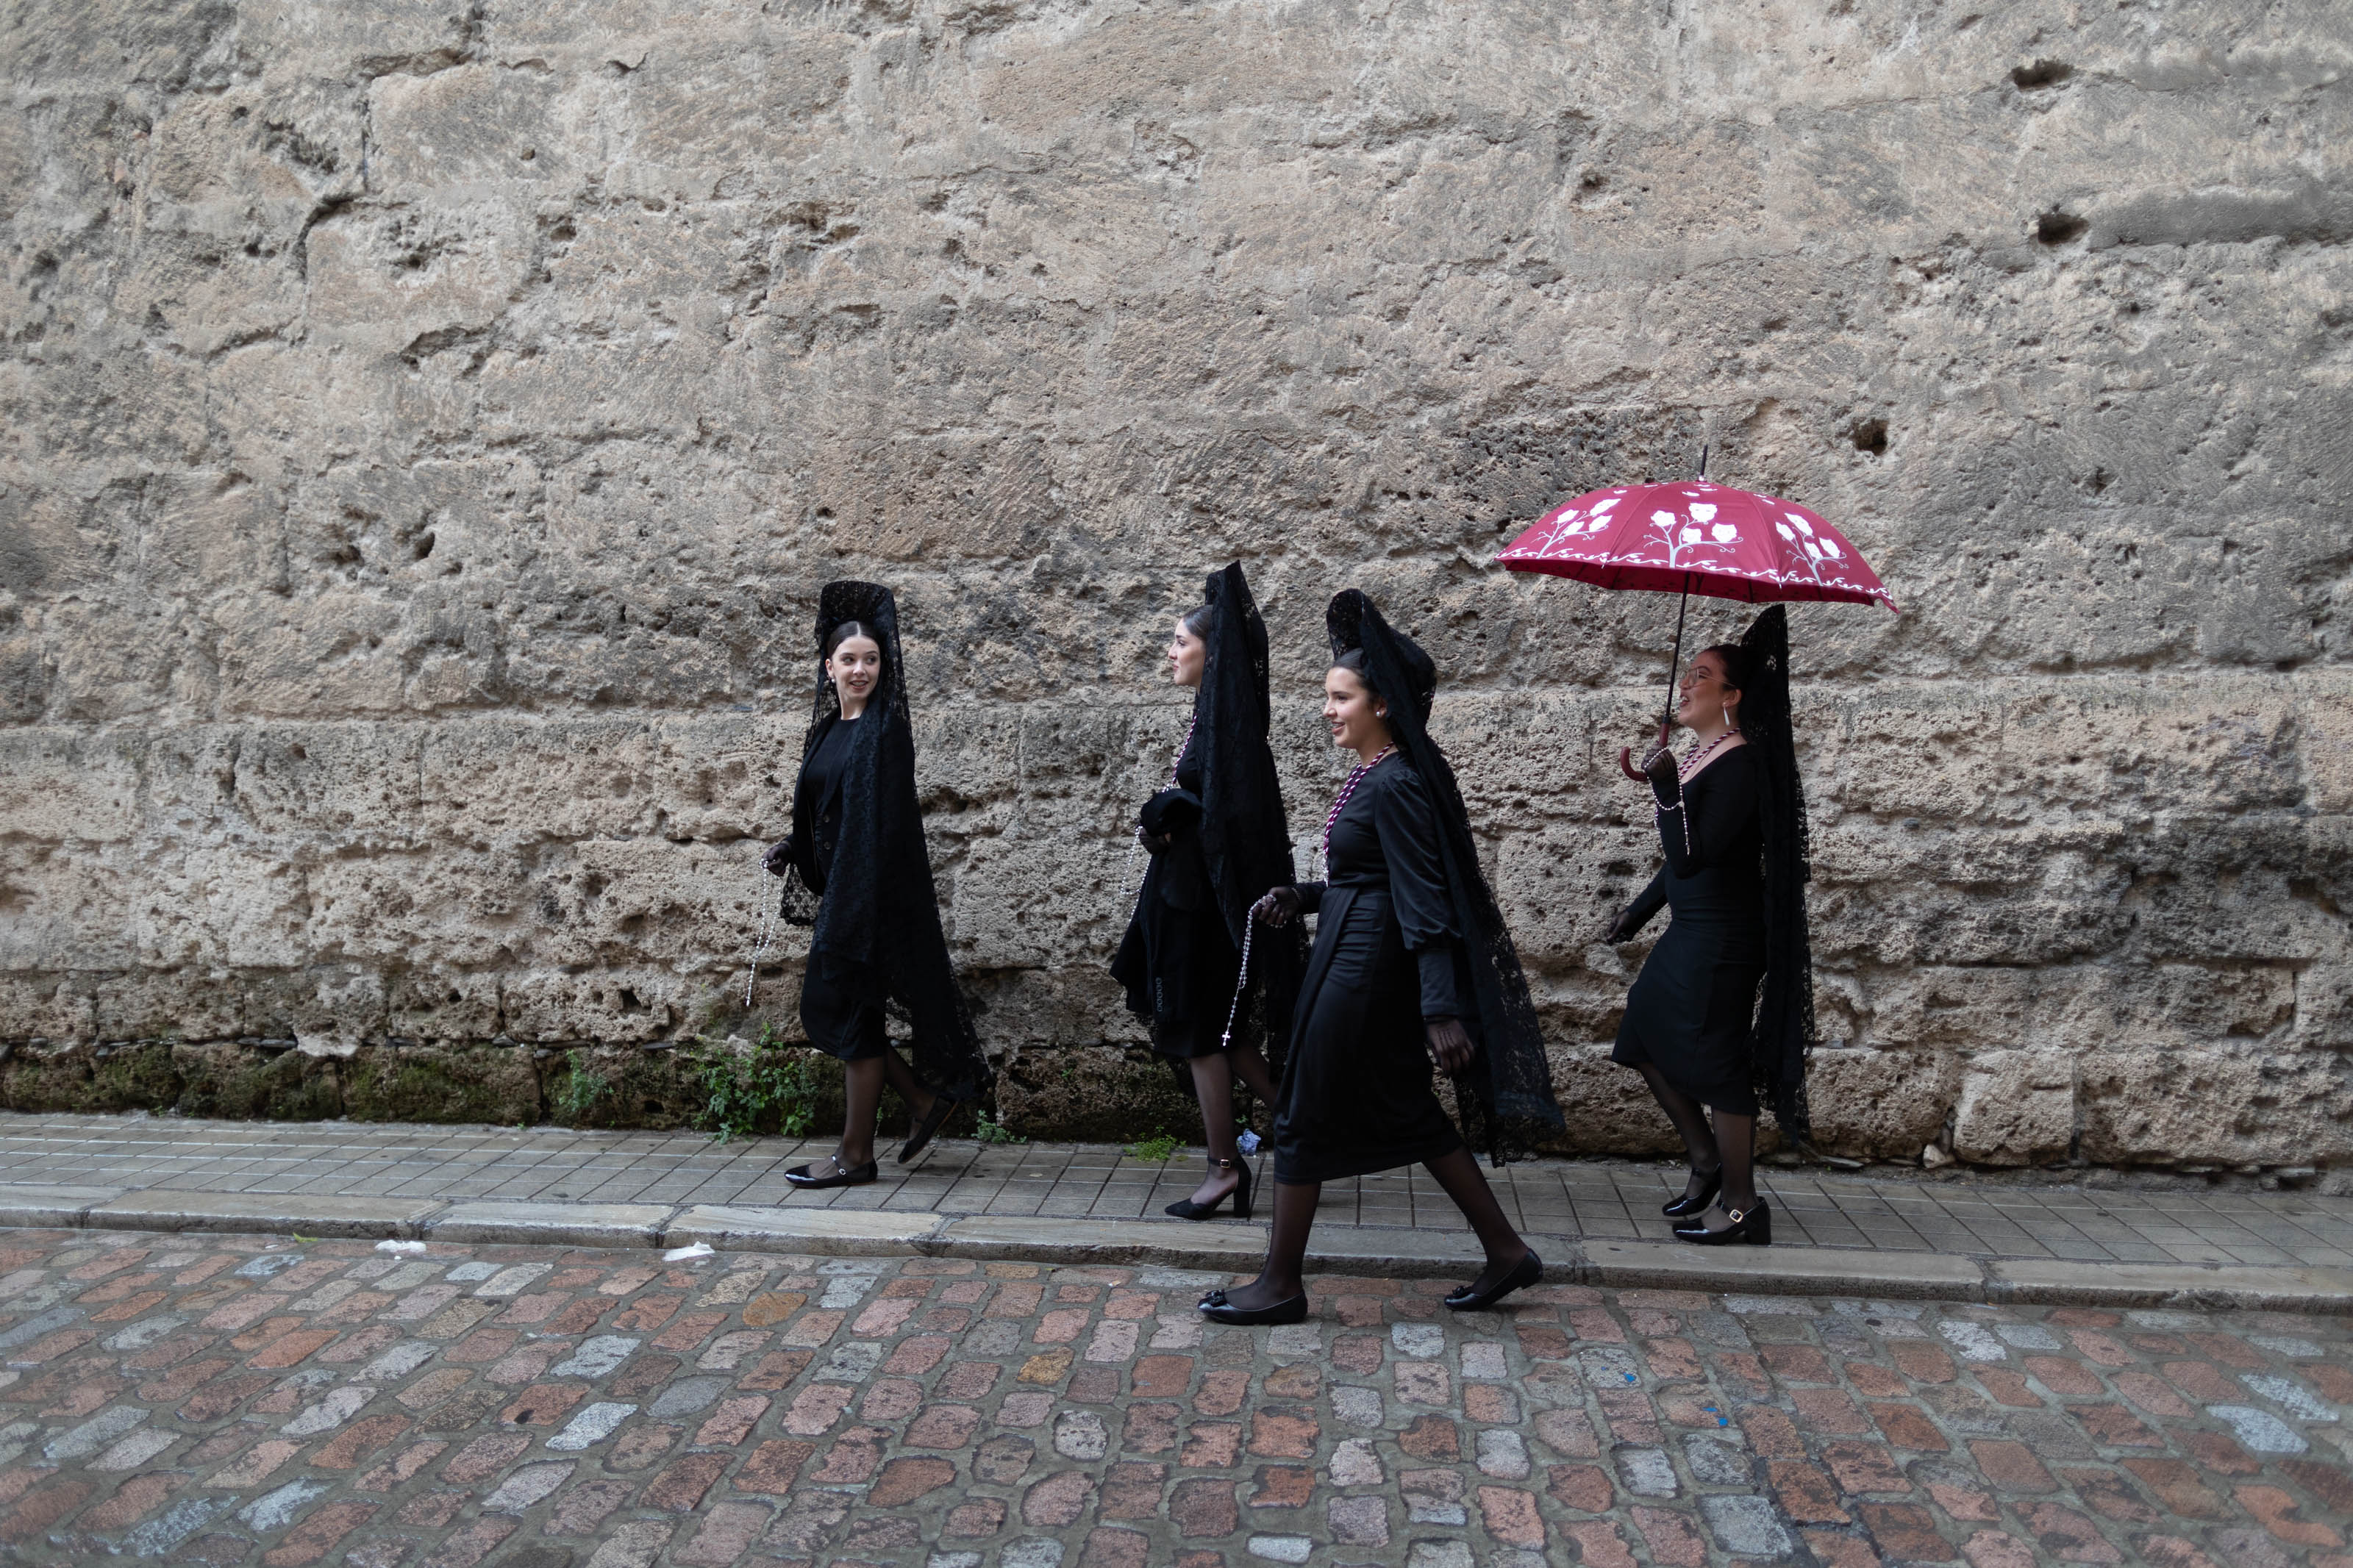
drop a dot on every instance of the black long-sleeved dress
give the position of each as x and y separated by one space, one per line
1691 1009
1356 1093
836 1020
1178 960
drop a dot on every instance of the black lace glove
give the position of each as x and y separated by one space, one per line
778 860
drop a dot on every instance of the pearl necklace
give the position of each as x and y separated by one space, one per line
1356 776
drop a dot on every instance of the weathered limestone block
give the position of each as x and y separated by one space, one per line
607 1005
86 1076
47 1008
1608 1107
56 785
247 1081
1882 1105
2206 1108
432 1083
1100 1093
2016 1107
608 1085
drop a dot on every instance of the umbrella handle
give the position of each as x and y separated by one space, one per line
1626 765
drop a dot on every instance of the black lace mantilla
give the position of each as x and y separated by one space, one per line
1784 1033
878 912
1510 1107
1245 835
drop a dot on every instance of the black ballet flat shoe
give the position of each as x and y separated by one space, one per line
850 1176
1751 1226
1186 1208
1529 1271
1218 1309
1688 1204
924 1130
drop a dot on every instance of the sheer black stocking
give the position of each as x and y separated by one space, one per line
1737 1136
1280 1278
1213 1083
1459 1174
862 1095
1690 1118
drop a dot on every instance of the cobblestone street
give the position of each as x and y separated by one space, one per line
249 1399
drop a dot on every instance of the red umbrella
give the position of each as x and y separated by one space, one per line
1696 538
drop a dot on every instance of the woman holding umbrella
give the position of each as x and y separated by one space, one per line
1731 821
1412 967
1219 838
858 844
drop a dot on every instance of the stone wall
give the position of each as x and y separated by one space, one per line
427 424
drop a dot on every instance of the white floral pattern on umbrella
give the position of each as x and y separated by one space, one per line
1708 539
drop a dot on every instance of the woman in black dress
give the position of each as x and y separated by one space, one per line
1411 966
857 845
1731 821
1218 837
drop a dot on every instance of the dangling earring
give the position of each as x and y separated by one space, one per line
1729 726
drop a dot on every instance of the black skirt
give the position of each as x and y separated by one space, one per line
1690 1009
839 1020
1357 1092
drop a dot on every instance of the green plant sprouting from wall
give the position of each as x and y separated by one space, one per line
775 1085
584 1089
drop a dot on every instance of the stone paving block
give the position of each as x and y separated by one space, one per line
24 1204
284 1213
574 1224
788 1229
2161 1285
1680 1266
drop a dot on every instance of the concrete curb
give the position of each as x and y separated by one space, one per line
1223 1247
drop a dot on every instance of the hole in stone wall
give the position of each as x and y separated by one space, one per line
2041 73
2056 228
425 545
1870 436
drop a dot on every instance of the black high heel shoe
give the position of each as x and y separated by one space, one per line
1690 1205
1186 1208
1218 1309
1527 1271
1751 1226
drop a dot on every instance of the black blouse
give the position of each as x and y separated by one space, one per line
1719 829
1386 839
821 786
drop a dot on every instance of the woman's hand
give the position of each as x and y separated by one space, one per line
1624 928
1449 1044
1277 906
779 859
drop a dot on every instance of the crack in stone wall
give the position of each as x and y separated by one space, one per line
427 424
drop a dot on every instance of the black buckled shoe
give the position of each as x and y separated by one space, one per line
1186 1208
1751 1226
804 1176
1526 1272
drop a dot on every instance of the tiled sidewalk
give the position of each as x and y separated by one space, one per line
1596 1199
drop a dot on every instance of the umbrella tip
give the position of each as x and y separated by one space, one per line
1703 462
